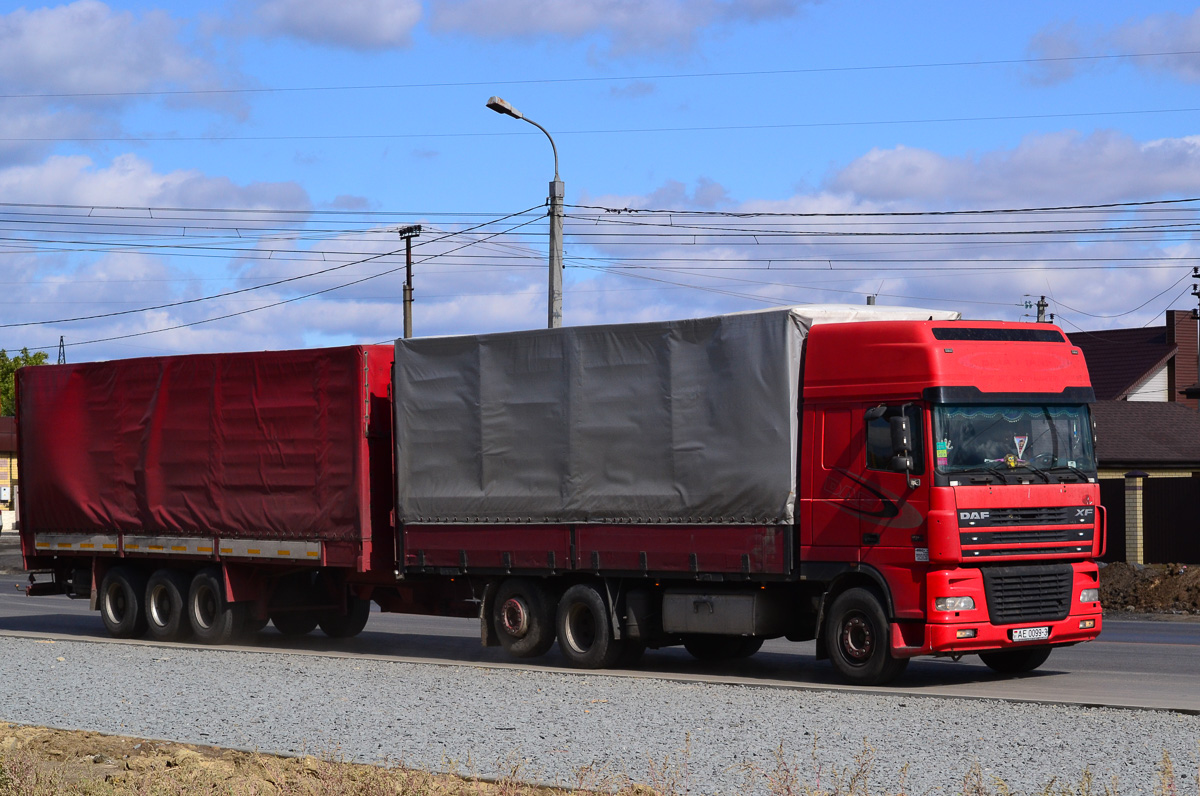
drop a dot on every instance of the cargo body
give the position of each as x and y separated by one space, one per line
892 482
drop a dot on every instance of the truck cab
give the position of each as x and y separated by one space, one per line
950 474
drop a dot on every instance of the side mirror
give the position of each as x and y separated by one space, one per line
902 463
874 413
901 435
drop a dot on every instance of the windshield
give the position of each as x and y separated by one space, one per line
1001 442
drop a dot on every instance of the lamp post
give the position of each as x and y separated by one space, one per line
554 299
407 234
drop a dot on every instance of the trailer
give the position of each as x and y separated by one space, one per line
891 482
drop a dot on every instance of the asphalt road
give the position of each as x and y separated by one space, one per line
1140 663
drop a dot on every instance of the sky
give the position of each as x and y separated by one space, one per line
182 177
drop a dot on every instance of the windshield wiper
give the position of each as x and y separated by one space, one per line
1034 468
1082 475
993 471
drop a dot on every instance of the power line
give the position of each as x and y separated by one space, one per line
613 79
251 288
599 131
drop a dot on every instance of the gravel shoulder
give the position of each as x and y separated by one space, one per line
553 725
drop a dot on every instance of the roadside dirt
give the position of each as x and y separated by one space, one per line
36 761
1150 589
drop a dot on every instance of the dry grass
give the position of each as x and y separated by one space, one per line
59 763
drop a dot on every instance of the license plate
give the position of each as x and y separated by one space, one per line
1030 633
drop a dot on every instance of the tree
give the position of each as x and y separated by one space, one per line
8 369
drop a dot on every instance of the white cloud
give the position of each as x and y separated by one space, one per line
352 24
1163 33
88 47
628 26
132 181
1093 274
1158 33
1056 168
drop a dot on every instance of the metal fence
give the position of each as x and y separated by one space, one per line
1170 521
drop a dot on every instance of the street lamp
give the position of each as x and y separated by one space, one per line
554 299
407 234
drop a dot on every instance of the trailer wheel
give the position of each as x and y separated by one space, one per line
166 605
122 602
523 616
1016 661
251 625
338 625
856 634
631 653
295 623
705 647
214 619
585 633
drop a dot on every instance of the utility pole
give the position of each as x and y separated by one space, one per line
62 351
1042 305
407 234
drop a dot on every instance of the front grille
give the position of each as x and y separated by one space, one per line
1036 515
1040 593
969 538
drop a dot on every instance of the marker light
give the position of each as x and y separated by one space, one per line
954 604
1089 596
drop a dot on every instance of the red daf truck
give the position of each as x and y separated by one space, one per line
891 482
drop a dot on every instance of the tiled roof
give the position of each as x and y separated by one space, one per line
1120 359
1146 433
8 435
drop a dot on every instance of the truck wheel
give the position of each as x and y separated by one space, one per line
585 633
1016 661
166 605
214 619
631 653
295 623
856 634
523 617
122 602
251 625
339 625
706 647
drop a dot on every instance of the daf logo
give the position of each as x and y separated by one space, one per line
974 515
1084 512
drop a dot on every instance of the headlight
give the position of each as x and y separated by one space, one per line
1089 596
954 604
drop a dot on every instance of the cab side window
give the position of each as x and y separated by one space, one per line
879 440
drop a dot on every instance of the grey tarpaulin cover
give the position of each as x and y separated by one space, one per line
690 421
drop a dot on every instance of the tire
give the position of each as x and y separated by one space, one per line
523 615
585 633
856 636
123 602
295 623
166 605
214 619
252 625
631 654
336 624
1016 661
704 647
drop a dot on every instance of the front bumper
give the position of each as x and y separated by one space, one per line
942 632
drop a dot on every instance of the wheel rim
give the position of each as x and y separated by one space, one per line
158 606
857 639
205 611
580 629
514 615
115 603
